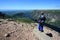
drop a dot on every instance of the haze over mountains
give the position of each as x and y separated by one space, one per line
51 15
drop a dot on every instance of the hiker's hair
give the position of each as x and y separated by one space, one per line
42 13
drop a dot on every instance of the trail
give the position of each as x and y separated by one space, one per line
41 35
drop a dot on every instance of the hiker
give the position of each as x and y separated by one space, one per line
41 21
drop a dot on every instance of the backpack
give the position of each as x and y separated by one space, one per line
42 17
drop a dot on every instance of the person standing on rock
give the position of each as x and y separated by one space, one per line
41 21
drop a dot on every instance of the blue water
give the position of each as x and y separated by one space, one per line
12 12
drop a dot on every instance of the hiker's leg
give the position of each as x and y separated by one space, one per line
39 27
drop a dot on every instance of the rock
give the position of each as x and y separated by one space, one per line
7 35
22 31
10 20
13 30
53 20
49 34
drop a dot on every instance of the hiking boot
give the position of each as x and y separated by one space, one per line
42 31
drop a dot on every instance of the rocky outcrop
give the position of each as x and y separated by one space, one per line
10 30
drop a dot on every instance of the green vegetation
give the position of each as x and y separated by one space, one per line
57 23
27 20
20 16
4 16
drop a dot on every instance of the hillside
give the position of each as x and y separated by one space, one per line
11 30
52 16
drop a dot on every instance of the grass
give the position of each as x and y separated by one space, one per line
26 20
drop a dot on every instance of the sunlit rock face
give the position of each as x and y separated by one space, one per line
53 20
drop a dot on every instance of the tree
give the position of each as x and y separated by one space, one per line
2 15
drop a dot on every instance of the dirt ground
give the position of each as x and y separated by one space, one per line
10 30
16 31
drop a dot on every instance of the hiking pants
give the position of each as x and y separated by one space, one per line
40 27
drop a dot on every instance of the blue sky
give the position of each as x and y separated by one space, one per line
29 4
